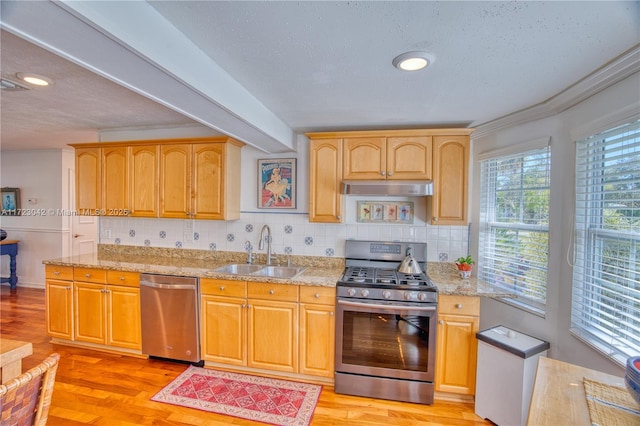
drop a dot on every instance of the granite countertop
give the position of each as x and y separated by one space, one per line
320 271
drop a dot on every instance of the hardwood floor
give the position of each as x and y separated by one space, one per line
105 389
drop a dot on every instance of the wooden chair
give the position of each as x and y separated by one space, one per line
25 400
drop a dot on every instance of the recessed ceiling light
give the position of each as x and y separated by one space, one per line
412 61
35 79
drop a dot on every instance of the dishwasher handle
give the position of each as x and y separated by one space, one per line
168 286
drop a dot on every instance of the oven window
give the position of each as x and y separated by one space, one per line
399 342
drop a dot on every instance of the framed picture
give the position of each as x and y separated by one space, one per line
10 201
277 183
400 212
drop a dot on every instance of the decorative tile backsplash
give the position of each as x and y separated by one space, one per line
290 234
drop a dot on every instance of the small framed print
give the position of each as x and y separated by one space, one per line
277 183
10 201
385 212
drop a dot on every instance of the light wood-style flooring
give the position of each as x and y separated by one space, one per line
99 388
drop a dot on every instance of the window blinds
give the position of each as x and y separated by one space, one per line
606 275
514 219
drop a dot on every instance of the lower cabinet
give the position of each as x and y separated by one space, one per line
458 323
59 301
266 326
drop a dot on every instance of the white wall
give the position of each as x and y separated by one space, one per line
617 104
43 176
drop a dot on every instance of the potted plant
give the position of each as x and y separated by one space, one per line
465 266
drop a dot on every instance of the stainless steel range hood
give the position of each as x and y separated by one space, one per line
408 188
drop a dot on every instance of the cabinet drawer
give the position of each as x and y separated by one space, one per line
461 305
319 295
54 272
90 275
268 291
223 287
127 279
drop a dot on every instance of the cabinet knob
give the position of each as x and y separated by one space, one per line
317 295
243 306
435 218
441 322
87 275
390 173
382 172
56 273
67 288
331 313
248 306
459 305
271 291
122 278
221 288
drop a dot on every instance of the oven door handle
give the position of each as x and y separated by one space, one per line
430 308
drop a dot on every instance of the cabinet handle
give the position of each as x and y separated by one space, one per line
122 278
435 218
248 306
56 273
67 288
271 291
390 173
441 322
382 172
87 275
221 288
459 305
243 306
331 313
317 296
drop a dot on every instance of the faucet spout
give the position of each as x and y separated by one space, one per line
261 243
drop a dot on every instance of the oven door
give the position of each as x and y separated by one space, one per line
386 340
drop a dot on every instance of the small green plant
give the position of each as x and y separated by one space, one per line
465 263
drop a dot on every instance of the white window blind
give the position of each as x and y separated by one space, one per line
514 224
606 278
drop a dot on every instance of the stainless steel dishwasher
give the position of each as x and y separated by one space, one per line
169 308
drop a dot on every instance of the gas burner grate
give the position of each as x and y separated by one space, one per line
385 276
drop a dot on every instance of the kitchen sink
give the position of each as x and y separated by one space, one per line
260 270
239 269
279 271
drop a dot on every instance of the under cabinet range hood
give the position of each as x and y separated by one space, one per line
408 188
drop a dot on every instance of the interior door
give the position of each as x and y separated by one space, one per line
83 230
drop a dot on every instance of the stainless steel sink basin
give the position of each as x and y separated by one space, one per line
239 269
279 271
260 270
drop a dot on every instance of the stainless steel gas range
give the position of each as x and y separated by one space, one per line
385 323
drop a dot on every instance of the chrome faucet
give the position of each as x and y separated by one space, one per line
261 243
249 249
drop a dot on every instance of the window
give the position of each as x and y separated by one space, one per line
605 310
514 223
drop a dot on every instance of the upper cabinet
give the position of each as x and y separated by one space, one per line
380 158
441 155
186 178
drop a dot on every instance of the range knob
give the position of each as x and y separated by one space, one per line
422 296
386 294
351 292
410 295
364 293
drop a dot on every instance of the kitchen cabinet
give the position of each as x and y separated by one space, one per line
382 158
143 179
88 179
325 179
59 301
457 347
180 178
106 314
449 203
273 326
317 330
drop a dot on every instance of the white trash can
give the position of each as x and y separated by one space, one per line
507 362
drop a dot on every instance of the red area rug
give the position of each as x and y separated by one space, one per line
274 401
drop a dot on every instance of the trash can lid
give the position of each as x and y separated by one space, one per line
512 341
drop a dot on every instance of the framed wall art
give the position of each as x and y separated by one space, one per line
10 201
385 212
277 183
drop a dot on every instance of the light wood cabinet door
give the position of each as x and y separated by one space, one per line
273 335
325 179
365 158
115 180
59 308
123 317
409 157
223 329
317 340
89 312
143 178
88 180
457 352
175 181
449 203
208 186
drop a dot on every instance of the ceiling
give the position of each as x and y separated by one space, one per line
266 72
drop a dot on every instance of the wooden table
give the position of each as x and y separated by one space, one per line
558 393
10 247
11 354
